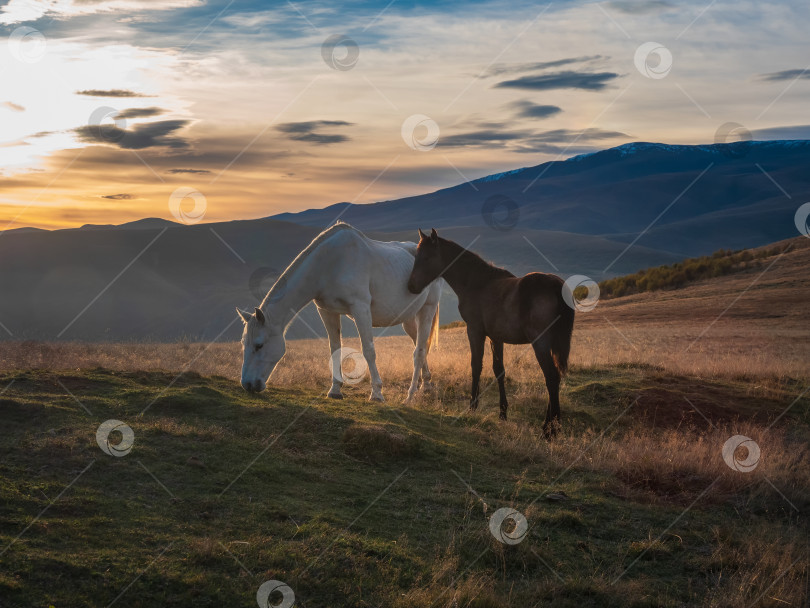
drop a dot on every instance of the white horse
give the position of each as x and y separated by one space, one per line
346 273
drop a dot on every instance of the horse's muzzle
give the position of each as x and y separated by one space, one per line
256 386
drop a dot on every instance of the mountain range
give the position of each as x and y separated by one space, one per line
602 214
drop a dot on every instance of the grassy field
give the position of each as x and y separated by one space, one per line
352 503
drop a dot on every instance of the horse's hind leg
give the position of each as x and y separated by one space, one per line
476 337
331 321
546 361
423 320
500 374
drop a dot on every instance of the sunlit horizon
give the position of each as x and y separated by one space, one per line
114 105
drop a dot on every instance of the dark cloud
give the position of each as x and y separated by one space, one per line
641 7
119 197
12 106
110 93
588 81
566 135
517 68
140 113
176 171
149 135
785 75
526 141
483 137
528 109
307 131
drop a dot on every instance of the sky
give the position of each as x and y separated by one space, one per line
214 110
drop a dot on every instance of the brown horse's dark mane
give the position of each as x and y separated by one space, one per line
471 262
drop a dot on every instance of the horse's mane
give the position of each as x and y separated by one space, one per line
339 226
473 260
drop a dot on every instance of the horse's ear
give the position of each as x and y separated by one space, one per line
434 236
245 316
259 315
422 235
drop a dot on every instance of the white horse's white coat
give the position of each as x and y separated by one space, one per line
345 273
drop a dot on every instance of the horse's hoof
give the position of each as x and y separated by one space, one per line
502 416
335 396
379 399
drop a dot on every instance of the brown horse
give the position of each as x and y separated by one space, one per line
496 304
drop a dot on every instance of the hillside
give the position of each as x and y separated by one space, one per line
158 280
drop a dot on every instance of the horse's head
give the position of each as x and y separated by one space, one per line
262 348
428 265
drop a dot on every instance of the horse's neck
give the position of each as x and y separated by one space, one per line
292 292
462 276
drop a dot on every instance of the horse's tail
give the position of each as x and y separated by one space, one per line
561 335
433 340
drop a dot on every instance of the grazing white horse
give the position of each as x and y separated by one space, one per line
346 273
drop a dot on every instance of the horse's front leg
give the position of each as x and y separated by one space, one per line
331 321
362 319
476 337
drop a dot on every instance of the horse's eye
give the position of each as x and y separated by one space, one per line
258 346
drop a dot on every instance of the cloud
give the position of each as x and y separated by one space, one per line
148 135
18 11
785 75
528 109
12 106
306 131
641 7
587 81
180 171
139 113
110 93
792 132
119 197
502 68
527 141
